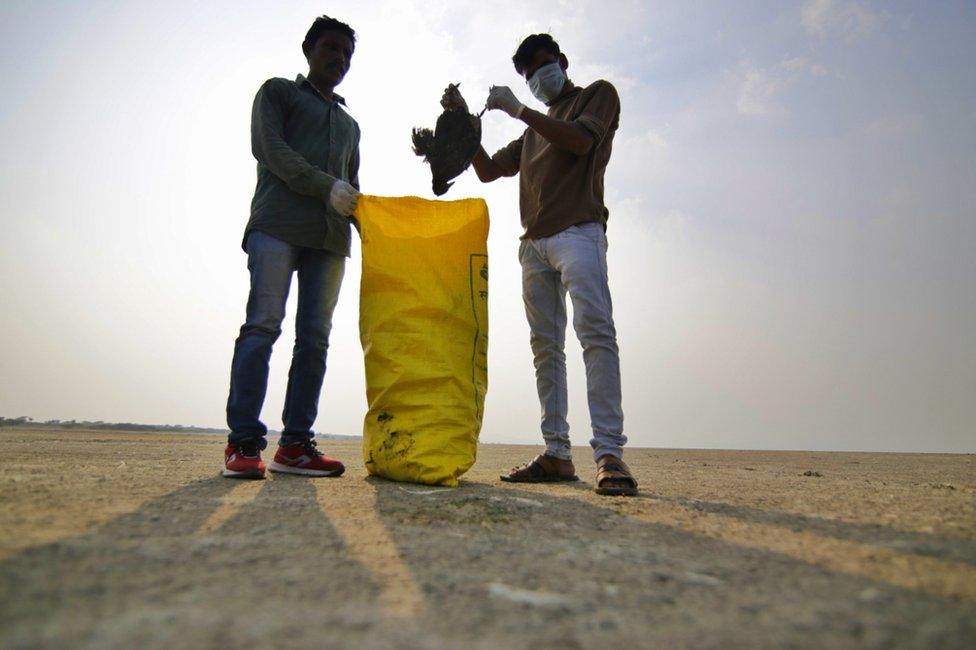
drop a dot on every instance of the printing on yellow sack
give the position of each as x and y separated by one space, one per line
423 323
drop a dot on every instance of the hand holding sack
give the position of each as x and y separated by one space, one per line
343 198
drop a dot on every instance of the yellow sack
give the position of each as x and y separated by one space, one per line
423 323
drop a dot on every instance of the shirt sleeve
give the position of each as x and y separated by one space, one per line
354 164
271 150
601 110
508 158
353 170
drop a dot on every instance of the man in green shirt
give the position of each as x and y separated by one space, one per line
562 157
307 148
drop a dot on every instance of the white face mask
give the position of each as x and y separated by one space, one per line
547 82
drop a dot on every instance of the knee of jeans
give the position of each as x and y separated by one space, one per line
313 335
597 334
545 344
264 316
316 343
265 327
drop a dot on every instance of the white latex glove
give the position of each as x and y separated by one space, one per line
502 97
343 198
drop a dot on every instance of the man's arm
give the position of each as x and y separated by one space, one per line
270 148
354 166
568 136
486 168
505 162
353 170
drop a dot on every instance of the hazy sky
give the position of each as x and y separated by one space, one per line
792 198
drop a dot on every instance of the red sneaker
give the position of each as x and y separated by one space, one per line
243 460
303 458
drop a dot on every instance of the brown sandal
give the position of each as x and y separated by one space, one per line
542 469
613 478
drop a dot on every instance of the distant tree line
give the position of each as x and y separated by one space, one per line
24 420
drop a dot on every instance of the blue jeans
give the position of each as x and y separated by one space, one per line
271 263
574 260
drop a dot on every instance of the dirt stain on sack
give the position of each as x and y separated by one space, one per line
396 443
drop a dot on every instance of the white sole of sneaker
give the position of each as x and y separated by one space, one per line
288 469
229 473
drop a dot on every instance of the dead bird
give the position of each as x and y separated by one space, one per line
451 146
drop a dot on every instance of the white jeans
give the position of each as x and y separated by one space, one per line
574 260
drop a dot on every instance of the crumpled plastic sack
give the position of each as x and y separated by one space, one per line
423 323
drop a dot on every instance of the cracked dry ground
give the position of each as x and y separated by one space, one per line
133 540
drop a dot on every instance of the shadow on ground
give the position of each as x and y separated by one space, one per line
371 563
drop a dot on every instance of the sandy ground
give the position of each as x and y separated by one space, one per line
133 540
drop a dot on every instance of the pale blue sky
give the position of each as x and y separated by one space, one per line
792 198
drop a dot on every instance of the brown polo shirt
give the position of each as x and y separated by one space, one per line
558 189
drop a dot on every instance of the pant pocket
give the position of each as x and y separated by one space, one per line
590 230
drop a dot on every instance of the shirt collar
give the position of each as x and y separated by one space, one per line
569 89
302 81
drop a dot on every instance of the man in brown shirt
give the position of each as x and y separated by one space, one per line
562 158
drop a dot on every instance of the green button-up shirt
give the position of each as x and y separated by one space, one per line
303 142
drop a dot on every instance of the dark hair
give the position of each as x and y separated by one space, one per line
532 44
324 24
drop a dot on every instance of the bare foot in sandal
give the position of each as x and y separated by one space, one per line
542 469
613 478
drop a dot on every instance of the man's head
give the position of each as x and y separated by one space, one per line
328 47
536 51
